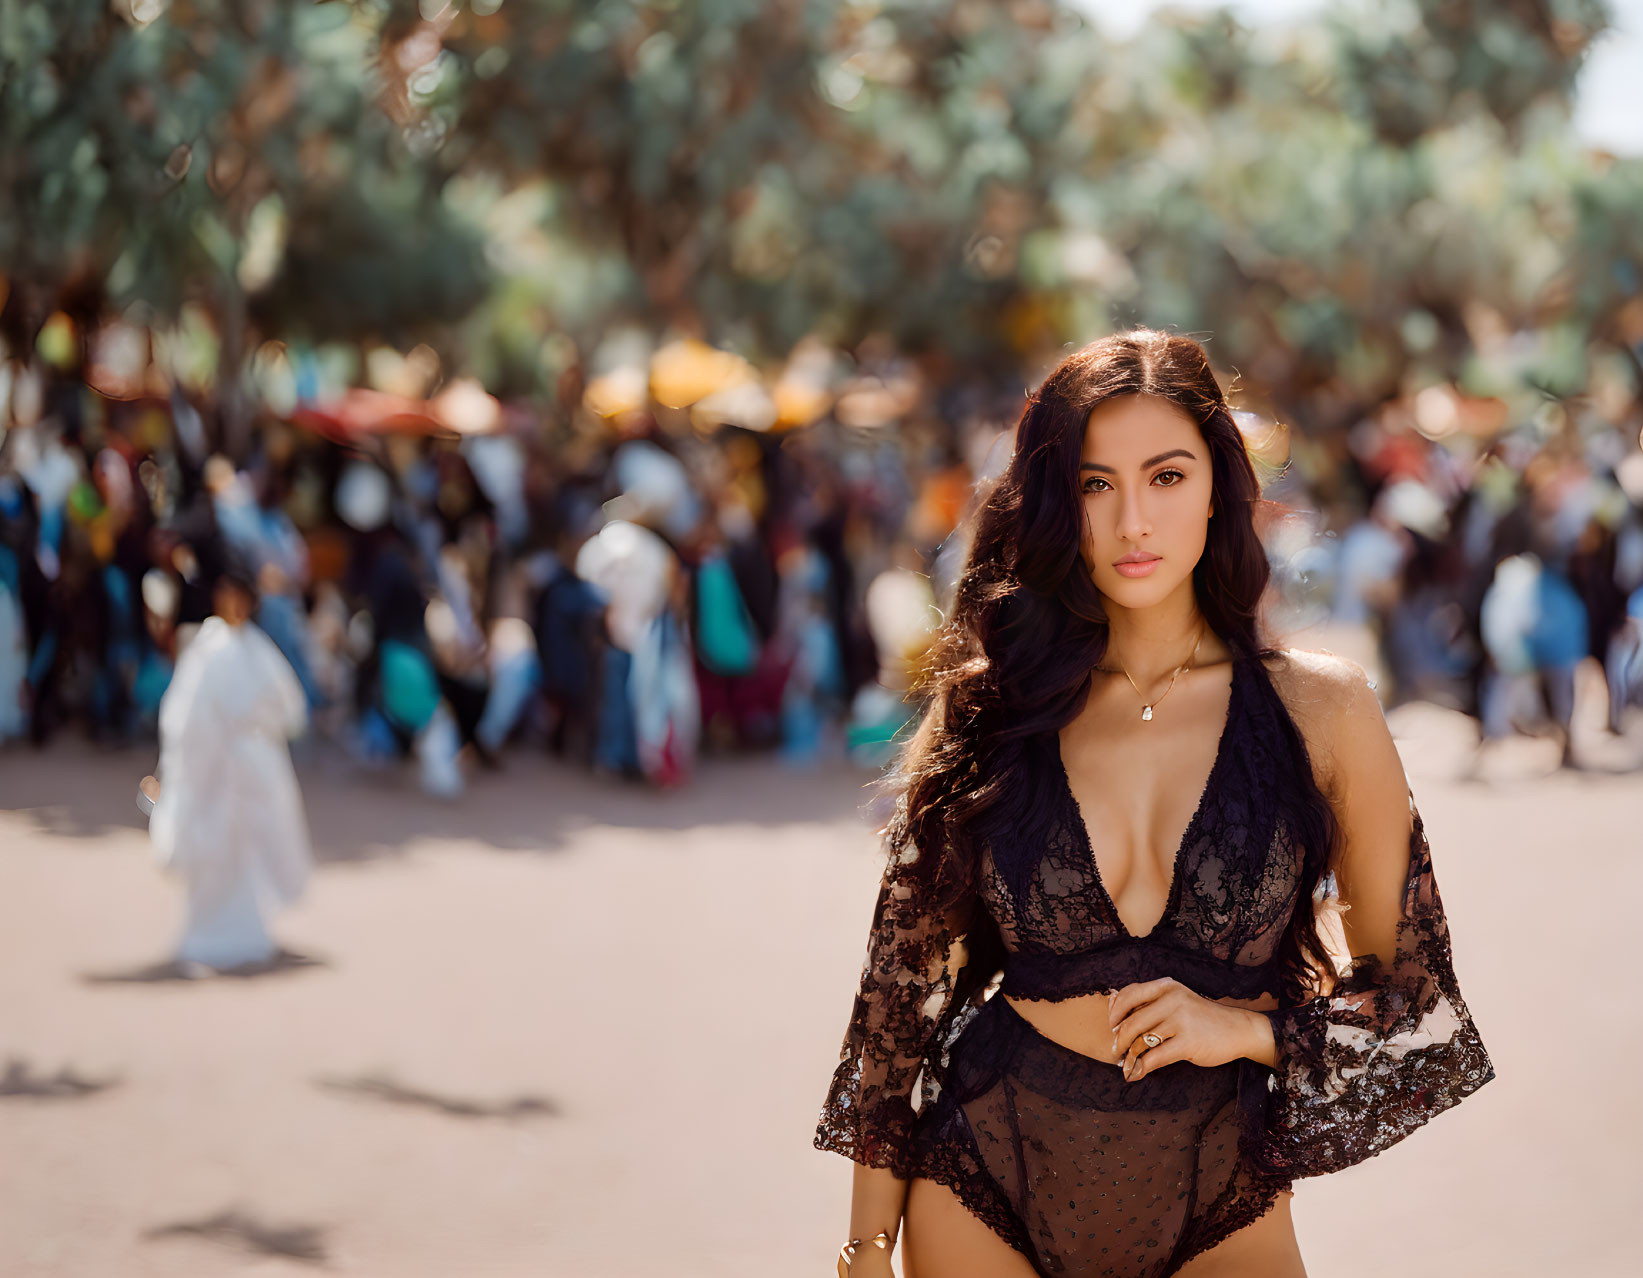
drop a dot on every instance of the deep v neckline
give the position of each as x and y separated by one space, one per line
1234 699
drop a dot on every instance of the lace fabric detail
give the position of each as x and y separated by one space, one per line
1387 1049
1235 881
1047 977
903 1018
950 1155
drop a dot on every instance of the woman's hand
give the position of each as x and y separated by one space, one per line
1194 1028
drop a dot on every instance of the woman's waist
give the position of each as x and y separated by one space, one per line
1079 1024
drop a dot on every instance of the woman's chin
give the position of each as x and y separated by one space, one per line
1135 592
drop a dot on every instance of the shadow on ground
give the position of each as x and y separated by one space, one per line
380 1087
241 1230
20 1080
173 970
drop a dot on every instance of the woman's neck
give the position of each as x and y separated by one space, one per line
1148 644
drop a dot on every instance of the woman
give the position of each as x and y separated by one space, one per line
227 814
1136 803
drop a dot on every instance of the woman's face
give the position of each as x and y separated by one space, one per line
1147 486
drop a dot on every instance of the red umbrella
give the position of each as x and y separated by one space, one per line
360 412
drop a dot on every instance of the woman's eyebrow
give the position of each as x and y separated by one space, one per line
1151 461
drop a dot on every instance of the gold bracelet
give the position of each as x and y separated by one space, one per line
883 1240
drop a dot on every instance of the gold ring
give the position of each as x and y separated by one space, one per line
1151 1040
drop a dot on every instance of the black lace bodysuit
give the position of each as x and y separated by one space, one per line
1078 1169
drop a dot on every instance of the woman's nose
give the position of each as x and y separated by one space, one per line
1133 521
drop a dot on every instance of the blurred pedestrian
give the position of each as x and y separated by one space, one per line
14 650
228 816
1535 631
571 642
1624 664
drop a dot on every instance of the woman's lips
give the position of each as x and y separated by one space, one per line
1134 569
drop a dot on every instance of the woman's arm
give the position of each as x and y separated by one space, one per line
908 980
1362 775
877 1197
906 1001
1391 1043
1366 786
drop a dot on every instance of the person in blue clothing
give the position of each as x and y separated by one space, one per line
1535 633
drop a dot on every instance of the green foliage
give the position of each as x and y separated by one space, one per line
1341 204
135 159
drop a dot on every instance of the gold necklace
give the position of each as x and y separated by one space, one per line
1146 707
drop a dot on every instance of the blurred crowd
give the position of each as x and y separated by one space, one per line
1487 567
629 599
625 601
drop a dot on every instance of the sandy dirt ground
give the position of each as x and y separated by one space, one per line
568 1027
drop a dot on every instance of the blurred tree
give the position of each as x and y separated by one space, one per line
224 153
1372 199
767 170
1347 207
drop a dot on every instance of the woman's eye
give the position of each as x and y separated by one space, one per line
1177 477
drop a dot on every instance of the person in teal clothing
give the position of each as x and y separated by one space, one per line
14 650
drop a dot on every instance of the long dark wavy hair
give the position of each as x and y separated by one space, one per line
1012 664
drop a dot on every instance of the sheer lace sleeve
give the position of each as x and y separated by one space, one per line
1386 1049
912 988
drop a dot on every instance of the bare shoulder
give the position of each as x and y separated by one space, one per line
1331 700
1318 676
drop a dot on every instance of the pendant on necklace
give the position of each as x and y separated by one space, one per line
1146 714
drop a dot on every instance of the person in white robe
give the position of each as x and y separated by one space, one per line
228 815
